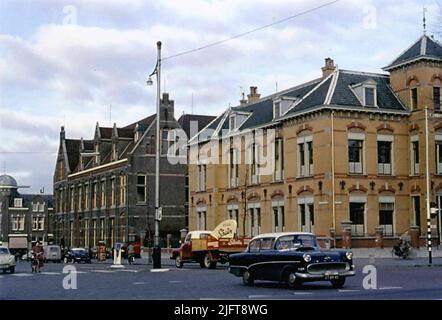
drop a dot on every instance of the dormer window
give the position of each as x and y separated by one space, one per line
18 203
366 92
281 105
236 119
369 95
277 109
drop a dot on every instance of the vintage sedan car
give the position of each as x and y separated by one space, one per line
7 260
293 258
77 255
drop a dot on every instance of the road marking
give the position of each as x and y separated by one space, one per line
175 281
348 290
1 277
125 270
78 272
302 293
390 288
103 271
51 273
140 283
22 274
258 296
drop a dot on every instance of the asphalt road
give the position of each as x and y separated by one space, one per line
396 279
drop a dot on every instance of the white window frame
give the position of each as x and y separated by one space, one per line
254 219
201 177
233 212
357 168
201 218
144 186
35 207
103 193
18 203
306 201
305 170
388 200
375 95
254 164
358 199
415 167
383 168
233 167
278 175
279 206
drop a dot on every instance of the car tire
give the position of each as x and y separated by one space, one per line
338 283
292 281
208 263
178 262
247 278
12 270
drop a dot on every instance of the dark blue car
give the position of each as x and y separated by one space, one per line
77 255
293 258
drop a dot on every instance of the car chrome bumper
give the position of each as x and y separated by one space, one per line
309 276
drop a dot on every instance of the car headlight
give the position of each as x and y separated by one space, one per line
349 255
307 257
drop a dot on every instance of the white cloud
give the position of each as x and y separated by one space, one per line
70 74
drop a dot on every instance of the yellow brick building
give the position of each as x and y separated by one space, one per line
347 149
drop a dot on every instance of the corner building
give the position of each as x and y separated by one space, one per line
348 152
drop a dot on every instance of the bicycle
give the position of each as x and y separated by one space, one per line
36 262
402 250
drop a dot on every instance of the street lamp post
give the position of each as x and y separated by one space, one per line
156 255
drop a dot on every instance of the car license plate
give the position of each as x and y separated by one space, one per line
331 276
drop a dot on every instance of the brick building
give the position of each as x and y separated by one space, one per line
104 188
24 218
348 151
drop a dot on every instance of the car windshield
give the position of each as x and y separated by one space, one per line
4 251
295 242
53 249
79 251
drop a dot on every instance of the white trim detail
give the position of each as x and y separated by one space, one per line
357 199
356 136
332 88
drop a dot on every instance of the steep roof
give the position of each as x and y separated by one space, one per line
106 133
424 48
145 122
73 152
336 90
201 122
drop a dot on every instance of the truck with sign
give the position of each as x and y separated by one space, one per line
210 247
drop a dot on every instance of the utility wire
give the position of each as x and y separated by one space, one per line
251 31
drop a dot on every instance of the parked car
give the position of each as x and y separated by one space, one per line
77 255
293 258
7 260
210 247
52 253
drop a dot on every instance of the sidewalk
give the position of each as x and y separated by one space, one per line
386 253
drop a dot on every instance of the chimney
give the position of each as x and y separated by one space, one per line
329 67
243 101
253 96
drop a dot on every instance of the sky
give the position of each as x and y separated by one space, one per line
78 62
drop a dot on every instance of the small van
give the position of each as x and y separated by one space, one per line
52 253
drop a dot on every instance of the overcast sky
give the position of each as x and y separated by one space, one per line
66 62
